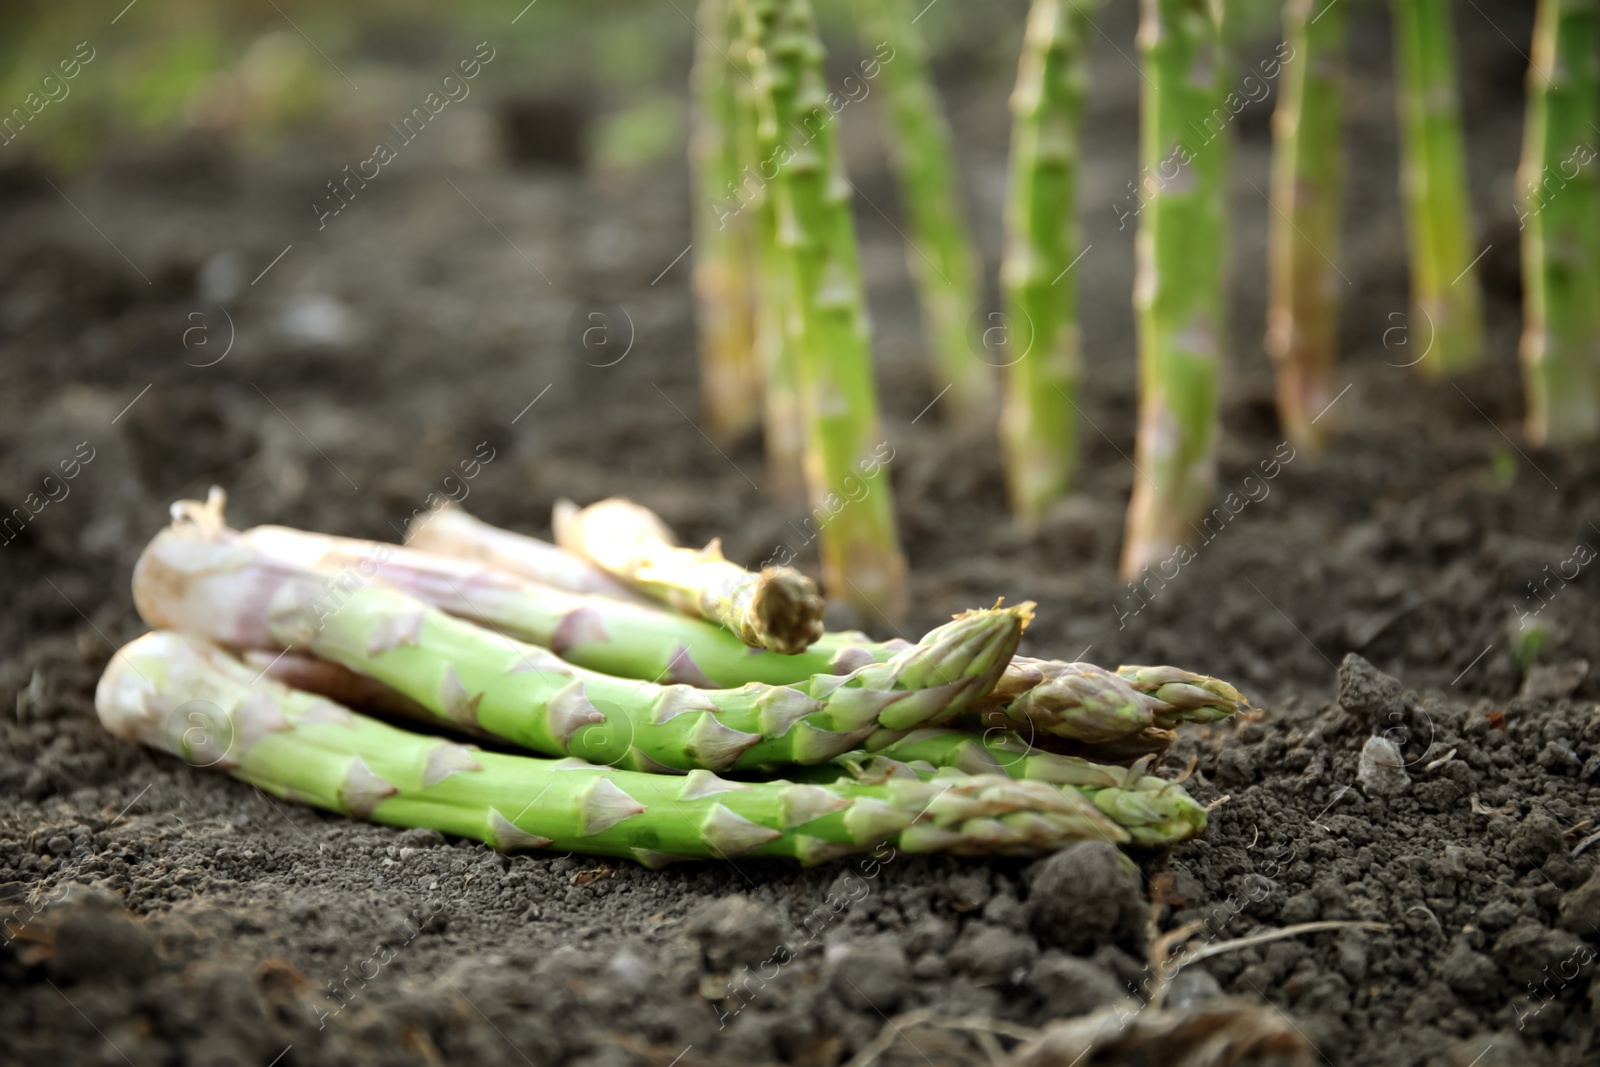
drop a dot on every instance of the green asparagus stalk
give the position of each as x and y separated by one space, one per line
827 326
939 250
1152 810
201 577
778 608
621 638
784 426
1561 227
730 380
1307 179
1039 426
1159 812
1433 185
183 695
1073 701
1178 292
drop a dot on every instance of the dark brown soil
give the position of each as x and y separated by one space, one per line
159 913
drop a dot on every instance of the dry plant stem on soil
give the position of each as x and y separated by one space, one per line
1303 246
730 380
1433 186
1073 701
1178 288
1039 425
202 578
779 608
304 747
939 251
1561 226
1214 1033
860 552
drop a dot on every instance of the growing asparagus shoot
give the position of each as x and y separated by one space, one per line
730 380
1433 186
784 427
1561 227
778 608
1039 423
1178 290
861 560
1303 248
183 695
939 250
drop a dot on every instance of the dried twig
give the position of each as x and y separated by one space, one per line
984 1029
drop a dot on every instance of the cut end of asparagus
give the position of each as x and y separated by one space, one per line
787 611
779 609
176 587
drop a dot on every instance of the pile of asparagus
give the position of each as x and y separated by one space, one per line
671 686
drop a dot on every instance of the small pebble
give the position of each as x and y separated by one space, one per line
1382 772
1086 896
1580 909
1067 985
868 974
1368 692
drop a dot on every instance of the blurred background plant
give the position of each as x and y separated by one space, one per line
261 71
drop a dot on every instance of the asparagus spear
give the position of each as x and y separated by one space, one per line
939 251
1152 810
730 380
450 531
1433 185
1561 227
1303 303
306 748
1157 811
861 559
779 608
1073 701
1178 292
1039 424
199 576
622 638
